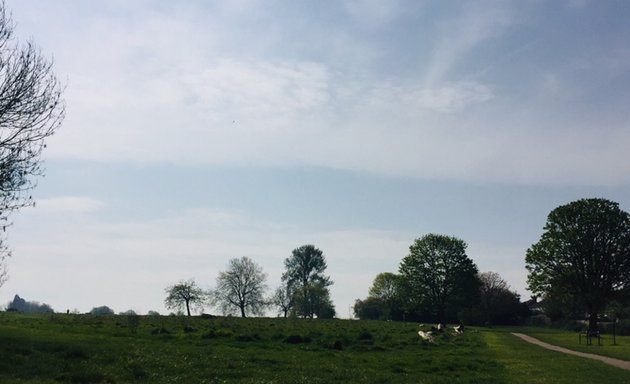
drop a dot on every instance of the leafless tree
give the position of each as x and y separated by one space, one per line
492 286
283 299
241 288
31 109
4 253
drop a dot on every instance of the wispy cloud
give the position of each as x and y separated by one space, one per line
180 84
374 13
449 97
458 36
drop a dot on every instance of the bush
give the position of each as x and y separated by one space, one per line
102 311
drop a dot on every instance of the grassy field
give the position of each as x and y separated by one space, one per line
119 349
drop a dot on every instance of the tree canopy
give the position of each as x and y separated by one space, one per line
103 310
185 294
438 276
385 290
584 252
304 276
21 305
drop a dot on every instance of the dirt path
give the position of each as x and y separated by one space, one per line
623 364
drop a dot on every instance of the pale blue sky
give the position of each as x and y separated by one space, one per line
201 131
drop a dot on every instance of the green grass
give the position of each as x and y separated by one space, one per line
526 363
85 349
570 340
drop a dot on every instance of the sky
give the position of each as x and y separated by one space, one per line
201 131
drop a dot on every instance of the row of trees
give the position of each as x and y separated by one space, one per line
21 305
580 268
241 288
438 282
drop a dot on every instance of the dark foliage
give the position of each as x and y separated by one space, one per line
582 254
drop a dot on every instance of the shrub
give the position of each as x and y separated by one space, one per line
102 311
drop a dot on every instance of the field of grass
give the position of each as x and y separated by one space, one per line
119 349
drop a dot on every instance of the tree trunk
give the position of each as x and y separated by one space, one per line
592 322
441 314
242 311
188 308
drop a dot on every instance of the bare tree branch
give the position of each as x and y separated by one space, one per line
31 109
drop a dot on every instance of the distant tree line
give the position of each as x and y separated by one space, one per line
438 282
578 270
241 289
18 304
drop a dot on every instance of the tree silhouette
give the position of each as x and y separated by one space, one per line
584 252
438 273
241 287
185 294
304 276
31 109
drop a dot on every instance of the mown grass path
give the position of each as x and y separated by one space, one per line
623 364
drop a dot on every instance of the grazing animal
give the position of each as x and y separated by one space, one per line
426 336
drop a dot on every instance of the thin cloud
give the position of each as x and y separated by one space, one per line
450 97
180 84
374 13
457 37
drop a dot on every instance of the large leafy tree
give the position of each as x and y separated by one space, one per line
583 252
241 288
31 109
304 276
439 275
185 294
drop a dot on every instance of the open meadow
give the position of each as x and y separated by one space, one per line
160 349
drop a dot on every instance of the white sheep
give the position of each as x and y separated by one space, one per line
427 336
